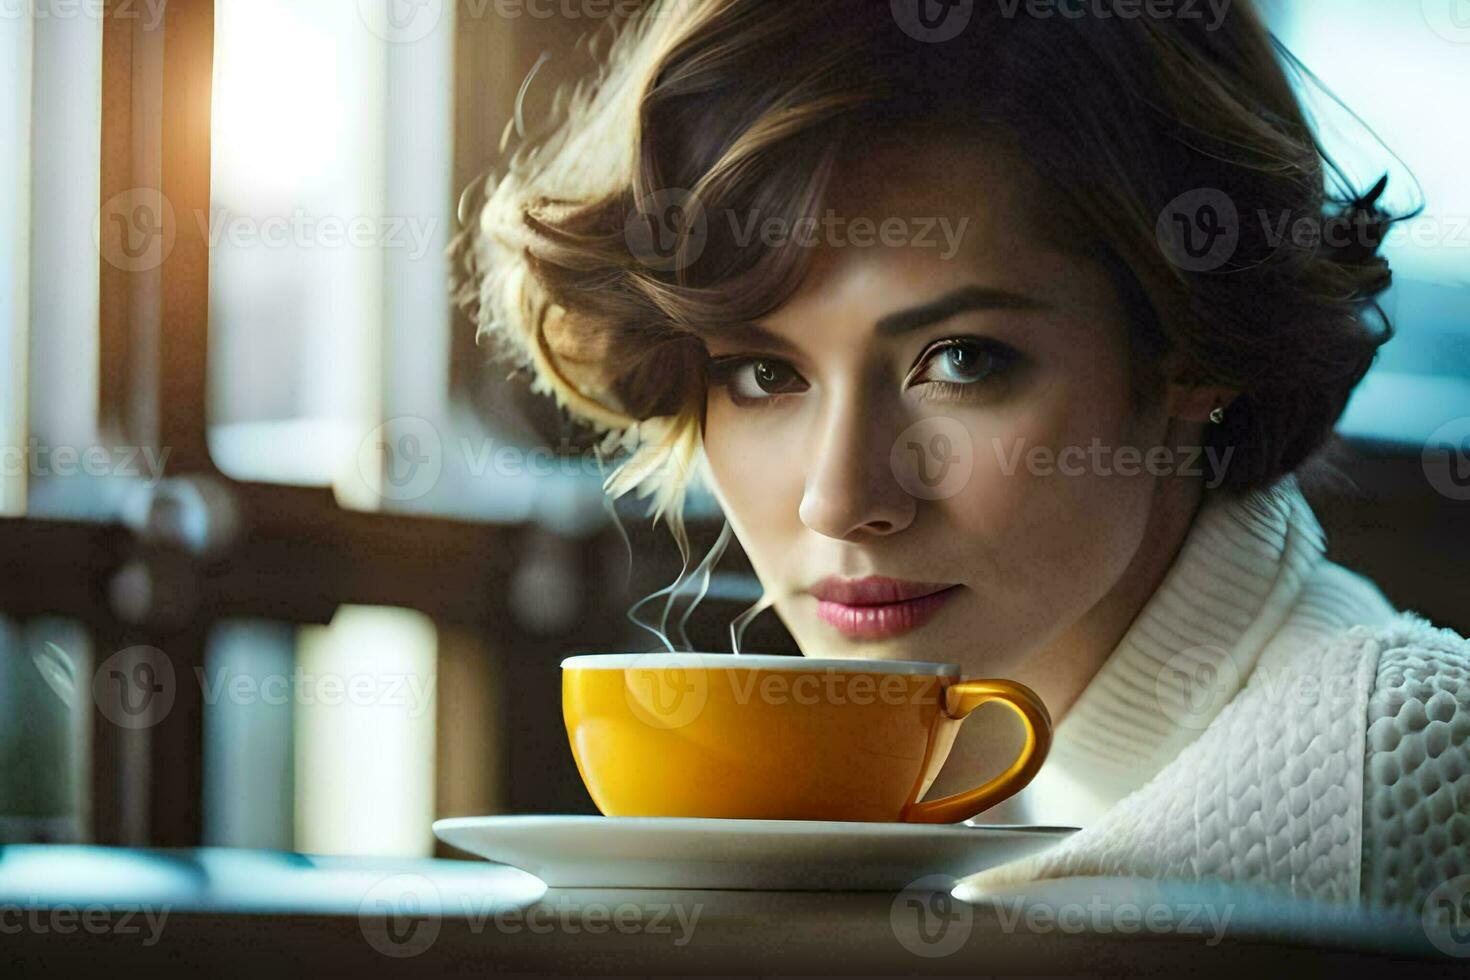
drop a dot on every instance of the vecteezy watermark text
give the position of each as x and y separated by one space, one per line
150 12
1101 917
1103 460
1201 230
96 919
412 691
410 21
838 231
137 229
303 229
1213 12
937 21
931 921
136 687
565 916
38 459
666 690
401 916
670 230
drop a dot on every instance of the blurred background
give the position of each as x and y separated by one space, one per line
287 562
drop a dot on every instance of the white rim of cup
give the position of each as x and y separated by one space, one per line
622 661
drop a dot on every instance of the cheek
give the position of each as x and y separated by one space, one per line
754 465
1047 505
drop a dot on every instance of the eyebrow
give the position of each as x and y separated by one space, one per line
951 304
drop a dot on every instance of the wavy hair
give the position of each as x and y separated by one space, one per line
743 107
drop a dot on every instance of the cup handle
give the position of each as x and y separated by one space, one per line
960 699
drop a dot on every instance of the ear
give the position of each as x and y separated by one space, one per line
1193 401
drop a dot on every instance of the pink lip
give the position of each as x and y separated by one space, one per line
876 607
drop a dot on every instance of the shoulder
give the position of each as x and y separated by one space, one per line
1387 693
1409 656
1344 614
1421 690
1416 775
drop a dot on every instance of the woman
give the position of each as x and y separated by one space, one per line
982 327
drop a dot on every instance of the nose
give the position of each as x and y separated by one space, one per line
850 489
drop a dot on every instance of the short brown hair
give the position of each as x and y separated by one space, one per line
743 105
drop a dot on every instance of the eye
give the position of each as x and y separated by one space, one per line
962 361
754 379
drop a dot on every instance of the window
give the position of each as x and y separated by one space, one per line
304 560
1419 56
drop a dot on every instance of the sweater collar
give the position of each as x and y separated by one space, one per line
1186 654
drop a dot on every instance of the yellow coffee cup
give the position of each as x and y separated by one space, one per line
775 737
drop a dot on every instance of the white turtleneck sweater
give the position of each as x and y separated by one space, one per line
1268 718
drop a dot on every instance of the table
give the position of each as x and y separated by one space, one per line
221 912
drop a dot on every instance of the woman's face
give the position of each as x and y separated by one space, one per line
920 451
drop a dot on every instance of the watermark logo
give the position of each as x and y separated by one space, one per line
1446 916
1437 231
819 685
1193 685
151 12
1098 459
574 10
1210 14
408 233
401 21
136 230
412 692
400 916
1450 19
145 921
1199 230
43 461
669 232
1099 916
134 688
834 230
571 916
402 458
933 458
669 690
665 690
928 920
932 21
1446 458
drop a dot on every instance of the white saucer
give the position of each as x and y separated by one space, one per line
772 855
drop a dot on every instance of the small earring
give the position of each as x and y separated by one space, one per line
1217 414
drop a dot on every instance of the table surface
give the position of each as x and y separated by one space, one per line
235 912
